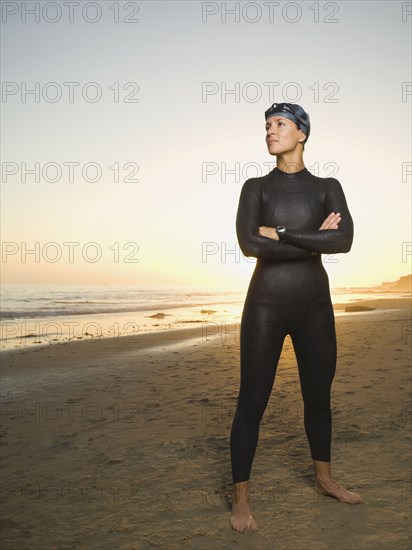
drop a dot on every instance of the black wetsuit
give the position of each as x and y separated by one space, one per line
288 294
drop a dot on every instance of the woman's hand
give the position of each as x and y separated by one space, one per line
331 222
268 232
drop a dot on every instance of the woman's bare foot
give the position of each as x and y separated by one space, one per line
331 488
240 518
325 485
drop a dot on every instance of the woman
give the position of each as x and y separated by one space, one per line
286 220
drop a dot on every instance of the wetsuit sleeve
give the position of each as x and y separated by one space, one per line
327 241
247 229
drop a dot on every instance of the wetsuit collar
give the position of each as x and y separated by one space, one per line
290 173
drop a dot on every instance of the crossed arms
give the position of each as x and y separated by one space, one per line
297 244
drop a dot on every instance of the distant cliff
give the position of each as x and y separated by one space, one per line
404 283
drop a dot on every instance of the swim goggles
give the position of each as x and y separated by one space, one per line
285 108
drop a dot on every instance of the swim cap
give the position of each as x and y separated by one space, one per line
292 111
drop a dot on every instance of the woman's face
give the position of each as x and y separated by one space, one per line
282 135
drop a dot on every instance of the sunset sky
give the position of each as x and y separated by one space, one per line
184 138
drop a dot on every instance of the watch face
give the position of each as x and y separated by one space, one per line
280 230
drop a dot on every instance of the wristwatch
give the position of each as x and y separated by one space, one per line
281 230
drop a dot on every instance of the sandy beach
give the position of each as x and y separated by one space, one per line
125 445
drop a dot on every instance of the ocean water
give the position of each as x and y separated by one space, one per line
41 301
47 314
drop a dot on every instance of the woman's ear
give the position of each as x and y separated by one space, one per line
302 136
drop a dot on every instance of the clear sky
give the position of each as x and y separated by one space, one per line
169 167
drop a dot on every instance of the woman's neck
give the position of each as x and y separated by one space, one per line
290 164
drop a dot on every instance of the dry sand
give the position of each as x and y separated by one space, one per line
125 445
